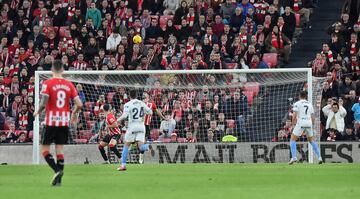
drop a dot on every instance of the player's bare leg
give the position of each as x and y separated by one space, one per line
293 140
315 148
113 148
124 155
45 151
101 147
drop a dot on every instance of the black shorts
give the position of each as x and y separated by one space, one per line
55 134
147 131
107 138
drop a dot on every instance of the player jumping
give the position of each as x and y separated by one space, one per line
152 106
303 118
56 95
112 136
135 111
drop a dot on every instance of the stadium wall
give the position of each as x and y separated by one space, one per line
257 152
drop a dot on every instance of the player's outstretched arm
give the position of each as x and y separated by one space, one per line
77 108
158 112
123 117
43 102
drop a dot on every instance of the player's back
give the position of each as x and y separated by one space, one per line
304 109
60 92
137 110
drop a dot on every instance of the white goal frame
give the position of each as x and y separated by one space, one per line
36 134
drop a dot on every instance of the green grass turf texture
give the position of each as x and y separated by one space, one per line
172 181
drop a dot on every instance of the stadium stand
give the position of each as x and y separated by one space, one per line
241 33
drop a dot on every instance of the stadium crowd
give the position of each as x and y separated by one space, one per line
338 62
177 35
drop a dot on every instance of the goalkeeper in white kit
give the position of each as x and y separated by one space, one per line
303 118
135 111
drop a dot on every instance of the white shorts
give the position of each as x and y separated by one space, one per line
135 133
298 131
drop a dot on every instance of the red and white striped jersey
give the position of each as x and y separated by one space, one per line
80 65
110 119
60 91
152 106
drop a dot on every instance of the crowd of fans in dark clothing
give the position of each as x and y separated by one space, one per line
177 35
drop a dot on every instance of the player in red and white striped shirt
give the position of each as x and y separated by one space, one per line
147 121
113 135
56 95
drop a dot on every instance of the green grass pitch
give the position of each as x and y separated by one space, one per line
172 181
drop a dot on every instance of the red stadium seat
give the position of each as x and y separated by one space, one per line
85 134
165 140
271 59
110 96
89 106
89 124
252 86
31 134
250 96
18 132
181 140
87 115
231 65
298 19
154 134
62 31
80 141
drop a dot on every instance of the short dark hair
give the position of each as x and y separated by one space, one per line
335 104
57 66
133 94
303 94
106 107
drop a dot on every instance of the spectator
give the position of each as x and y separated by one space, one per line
21 138
91 50
153 31
331 135
356 110
81 93
349 134
11 135
181 12
94 14
167 126
6 99
171 6
335 114
349 101
227 9
236 109
3 137
24 119
256 63
245 5
319 65
15 107
113 41
237 20
277 42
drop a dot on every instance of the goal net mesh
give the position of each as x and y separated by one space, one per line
204 106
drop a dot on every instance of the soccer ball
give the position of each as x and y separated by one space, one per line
137 39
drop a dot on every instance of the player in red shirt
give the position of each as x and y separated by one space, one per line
147 121
113 135
56 95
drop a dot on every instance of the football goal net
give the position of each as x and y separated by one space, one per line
211 115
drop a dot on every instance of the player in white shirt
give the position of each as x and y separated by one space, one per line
303 119
135 111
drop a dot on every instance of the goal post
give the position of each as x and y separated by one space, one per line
211 94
